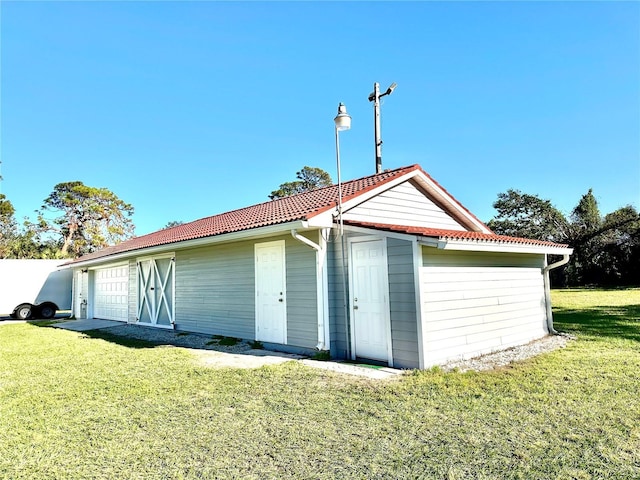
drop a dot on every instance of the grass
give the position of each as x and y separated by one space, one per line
73 406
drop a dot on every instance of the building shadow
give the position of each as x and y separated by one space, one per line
604 321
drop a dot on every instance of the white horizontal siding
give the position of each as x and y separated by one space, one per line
433 257
215 291
302 302
473 310
402 304
404 204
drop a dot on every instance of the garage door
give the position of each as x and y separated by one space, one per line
111 293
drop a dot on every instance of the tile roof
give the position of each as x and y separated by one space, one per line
443 234
302 206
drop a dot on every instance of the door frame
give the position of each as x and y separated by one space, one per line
171 277
282 245
387 311
80 294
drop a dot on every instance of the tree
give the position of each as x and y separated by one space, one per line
8 226
29 244
26 243
606 249
89 218
309 178
173 223
586 216
527 216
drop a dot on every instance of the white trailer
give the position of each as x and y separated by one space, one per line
34 288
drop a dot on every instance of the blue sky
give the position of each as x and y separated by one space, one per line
188 109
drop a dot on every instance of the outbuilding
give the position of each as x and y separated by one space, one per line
403 275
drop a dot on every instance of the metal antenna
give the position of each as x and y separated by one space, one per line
375 98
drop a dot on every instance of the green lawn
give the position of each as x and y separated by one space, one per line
76 406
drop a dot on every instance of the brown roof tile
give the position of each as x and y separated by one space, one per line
456 235
302 206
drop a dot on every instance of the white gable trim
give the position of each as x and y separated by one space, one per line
457 210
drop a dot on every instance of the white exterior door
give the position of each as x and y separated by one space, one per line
156 289
370 301
271 303
80 295
111 293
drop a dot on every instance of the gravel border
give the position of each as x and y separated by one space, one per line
242 355
502 358
176 338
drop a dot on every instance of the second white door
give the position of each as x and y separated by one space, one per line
369 300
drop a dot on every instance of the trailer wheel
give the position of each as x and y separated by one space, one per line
47 310
24 311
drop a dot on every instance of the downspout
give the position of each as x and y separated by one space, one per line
319 268
547 289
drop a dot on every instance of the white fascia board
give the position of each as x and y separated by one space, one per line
269 230
379 232
432 242
485 246
323 220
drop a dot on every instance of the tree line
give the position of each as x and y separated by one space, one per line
606 248
76 219
73 220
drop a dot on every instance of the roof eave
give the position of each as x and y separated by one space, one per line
265 231
493 246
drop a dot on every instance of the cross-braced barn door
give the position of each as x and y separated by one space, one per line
156 290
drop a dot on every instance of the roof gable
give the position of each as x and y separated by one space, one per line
406 204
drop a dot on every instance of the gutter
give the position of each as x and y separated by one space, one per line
547 289
322 343
491 246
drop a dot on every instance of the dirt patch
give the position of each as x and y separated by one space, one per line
248 359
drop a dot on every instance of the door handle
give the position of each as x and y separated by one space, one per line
280 300
355 307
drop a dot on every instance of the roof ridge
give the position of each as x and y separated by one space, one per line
297 207
284 199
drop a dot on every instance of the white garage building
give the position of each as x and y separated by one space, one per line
412 280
